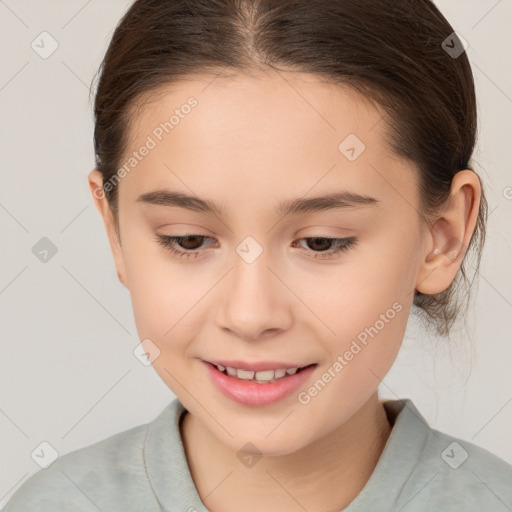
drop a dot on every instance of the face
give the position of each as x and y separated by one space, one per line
330 286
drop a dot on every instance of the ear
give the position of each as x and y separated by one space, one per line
449 235
95 179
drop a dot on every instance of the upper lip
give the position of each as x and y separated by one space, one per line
257 366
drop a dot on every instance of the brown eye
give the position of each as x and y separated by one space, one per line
181 245
190 242
189 246
321 245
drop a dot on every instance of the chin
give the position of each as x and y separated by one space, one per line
247 442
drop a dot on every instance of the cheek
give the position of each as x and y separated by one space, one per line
349 297
366 307
162 293
165 307
369 326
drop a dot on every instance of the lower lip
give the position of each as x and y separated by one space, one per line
253 393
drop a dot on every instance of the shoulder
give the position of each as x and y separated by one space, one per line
452 474
423 469
107 475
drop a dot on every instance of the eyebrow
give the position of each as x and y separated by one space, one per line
335 200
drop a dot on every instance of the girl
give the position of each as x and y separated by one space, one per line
281 182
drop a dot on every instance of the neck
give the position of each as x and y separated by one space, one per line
340 464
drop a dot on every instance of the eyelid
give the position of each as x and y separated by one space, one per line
342 245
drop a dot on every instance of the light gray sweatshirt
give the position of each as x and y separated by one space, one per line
145 469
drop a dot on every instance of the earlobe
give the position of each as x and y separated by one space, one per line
95 180
450 234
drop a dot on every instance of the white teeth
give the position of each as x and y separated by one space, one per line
244 374
265 375
262 376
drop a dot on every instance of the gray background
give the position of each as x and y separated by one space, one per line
67 369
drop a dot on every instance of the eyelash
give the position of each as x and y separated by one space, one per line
169 243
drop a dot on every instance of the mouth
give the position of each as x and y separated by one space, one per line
258 387
257 372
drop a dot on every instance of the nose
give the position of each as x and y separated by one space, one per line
253 302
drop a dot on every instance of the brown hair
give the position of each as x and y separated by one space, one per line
392 51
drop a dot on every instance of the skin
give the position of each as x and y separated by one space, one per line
252 142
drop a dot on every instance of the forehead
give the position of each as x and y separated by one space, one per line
260 134
295 105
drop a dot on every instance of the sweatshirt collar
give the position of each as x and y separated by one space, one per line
169 474
398 460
